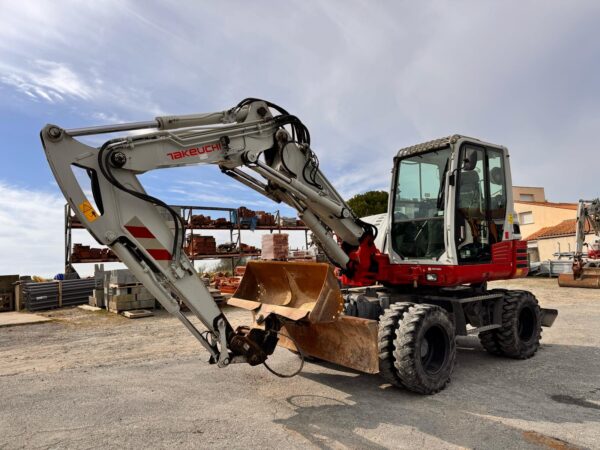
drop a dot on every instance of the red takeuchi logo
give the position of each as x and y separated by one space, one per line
196 151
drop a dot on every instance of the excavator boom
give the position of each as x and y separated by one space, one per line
147 234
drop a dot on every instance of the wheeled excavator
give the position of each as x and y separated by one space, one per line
405 285
586 266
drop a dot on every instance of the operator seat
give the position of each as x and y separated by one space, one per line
468 210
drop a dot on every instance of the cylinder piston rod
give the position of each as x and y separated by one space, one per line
101 129
161 123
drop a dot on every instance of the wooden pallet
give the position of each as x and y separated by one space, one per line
137 313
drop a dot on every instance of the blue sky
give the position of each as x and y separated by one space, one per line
366 77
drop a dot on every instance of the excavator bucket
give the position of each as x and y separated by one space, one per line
298 291
588 277
307 295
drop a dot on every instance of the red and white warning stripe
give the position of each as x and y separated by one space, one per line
147 240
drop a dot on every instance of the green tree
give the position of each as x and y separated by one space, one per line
369 203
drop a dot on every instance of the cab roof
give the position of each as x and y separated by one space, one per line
436 144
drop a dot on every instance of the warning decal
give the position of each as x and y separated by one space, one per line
88 211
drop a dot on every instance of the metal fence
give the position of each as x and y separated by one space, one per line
54 294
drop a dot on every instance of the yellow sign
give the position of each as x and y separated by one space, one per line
510 219
88 211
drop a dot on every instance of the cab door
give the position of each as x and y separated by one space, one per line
480 203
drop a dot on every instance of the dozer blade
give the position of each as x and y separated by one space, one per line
347 341
294 290
590 278
308 296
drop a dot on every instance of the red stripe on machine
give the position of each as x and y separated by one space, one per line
159 254
139 232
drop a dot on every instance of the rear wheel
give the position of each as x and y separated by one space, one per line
521 330
423 350
489 339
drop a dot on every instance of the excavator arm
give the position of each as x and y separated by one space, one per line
588 214
586 270
256 143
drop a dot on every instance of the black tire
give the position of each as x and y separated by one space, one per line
358 305
388 324
521 331
489 339
490 342
425 349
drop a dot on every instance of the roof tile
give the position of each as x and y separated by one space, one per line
565 228
572 206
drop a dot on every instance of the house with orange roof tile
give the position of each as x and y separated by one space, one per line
548 227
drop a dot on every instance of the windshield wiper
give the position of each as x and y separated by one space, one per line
440 197
420 229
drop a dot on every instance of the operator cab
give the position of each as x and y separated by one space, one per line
455 184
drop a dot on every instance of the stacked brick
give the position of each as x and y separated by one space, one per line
227 285
128 297
201 245
275 246
119 290
82 253
245 213
201 221
245 248
221 223
265 219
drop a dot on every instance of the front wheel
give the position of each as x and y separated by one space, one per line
424 349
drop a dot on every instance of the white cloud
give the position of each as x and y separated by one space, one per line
213 198
210 184
47 80
31 237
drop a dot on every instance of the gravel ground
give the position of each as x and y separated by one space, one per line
93 379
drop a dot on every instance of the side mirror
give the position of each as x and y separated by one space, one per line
470 160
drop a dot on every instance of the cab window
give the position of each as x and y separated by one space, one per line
418 221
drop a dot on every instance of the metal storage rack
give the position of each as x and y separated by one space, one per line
186 211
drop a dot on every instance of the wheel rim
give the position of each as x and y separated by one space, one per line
527 323
435 347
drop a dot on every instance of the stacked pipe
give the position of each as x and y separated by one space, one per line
54 294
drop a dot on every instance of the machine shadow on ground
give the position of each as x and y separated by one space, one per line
490 389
